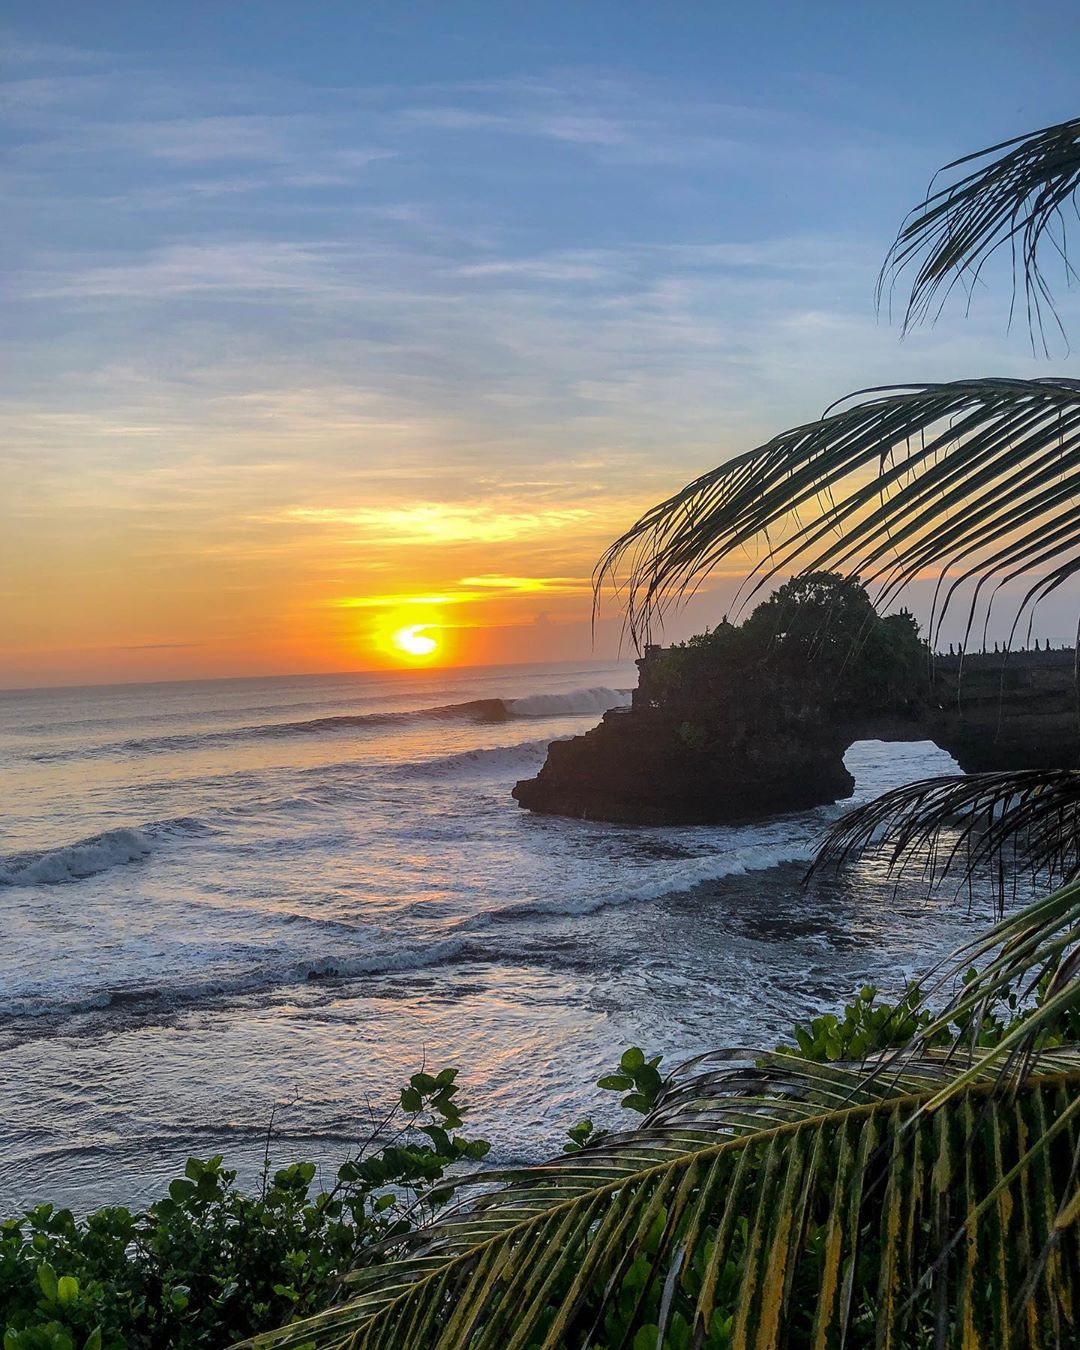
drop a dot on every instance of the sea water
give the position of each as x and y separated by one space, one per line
226 899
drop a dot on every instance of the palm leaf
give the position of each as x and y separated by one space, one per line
997 823
1013 198
975 479
768 1201
1038 946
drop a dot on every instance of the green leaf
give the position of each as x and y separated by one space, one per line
46 1278
637 1101
615 1082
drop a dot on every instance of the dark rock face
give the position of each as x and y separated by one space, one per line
767 750
1015 712
635 768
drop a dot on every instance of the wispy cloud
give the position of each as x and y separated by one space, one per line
437 522
260 266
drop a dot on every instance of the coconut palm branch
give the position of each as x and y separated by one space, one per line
766 1201
998 824
1038 946
1013 198
973 481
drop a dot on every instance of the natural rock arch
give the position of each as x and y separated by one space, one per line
1016 710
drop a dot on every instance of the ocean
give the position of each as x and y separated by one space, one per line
225 899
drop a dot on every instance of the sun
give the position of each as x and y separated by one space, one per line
414 640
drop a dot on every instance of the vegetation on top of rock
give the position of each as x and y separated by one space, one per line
816 638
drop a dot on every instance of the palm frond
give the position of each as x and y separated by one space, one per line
764 1202
975 479
1014 199
996 824
1038 946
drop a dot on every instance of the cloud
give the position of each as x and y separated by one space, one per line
24 52
395 600
256 265
580 129
437 522
157 646
469 590
411 346
530 585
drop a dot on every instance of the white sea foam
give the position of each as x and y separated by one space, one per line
574 703
87 857
499 759
680 877
236 983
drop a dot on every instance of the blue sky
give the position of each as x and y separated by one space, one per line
280 276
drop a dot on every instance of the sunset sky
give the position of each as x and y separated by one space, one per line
326 320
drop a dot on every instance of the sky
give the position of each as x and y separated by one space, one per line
323 321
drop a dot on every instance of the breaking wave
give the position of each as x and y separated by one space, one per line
96 853
500 759
237 984
693 872
574 703
578 702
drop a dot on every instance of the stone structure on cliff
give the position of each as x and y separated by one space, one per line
742 738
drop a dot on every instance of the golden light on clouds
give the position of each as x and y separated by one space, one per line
444 524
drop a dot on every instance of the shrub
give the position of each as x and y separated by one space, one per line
207 1265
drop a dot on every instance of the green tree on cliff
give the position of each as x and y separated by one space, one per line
817 635
929 1198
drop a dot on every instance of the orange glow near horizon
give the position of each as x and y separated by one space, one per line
281 592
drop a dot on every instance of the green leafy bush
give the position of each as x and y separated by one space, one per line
862 1028
207 1265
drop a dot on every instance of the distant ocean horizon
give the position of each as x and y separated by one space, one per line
420 671
226 897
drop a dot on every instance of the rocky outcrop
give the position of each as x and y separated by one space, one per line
763 753
638 767
1014 712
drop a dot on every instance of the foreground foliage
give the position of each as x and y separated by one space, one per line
786 1198
206 1264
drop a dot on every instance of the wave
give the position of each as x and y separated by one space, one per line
464 942
96 853
149 997
501 759
574 703
696 871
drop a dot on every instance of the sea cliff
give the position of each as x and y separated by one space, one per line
751 721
